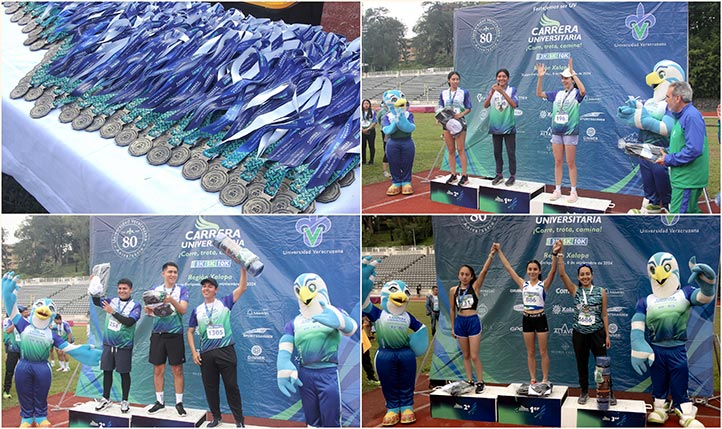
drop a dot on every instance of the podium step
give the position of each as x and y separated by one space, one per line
529 410
542 204
86 416
627 413
480 194
473 407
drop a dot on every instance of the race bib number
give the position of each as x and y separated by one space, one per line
114 325
532 300
561 118
586 319
365 123
466 302
215 332
17 336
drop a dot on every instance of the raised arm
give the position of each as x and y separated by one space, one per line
242 285
575 78
540 72
514 276
568 283
484 270
550 278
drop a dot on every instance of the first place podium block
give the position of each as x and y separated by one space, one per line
481 195
84 415
542 204
531 410
474 407
626 413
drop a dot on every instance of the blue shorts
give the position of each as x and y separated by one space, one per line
467 326
564 139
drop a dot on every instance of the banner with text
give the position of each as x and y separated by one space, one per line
137 248
613 46
617 247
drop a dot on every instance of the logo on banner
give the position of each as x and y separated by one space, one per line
257 333
563 330
257 314
312 229
130 238
478 224
486 35
256 354
202 236
593 116
640 23
551 30
669 220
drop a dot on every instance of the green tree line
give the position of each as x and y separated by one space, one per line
49 246
385 46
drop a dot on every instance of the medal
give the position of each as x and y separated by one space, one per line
214 180
159 155
347 179
179 156
330 194
257 205
140 146
233 194
127 136
194 168
111 129
97 123
68 113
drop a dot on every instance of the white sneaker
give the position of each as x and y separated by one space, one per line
60 368
52 363
573 197
67 368
387 174
556 195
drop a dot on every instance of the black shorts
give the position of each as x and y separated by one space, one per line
170 346
117 359
534 323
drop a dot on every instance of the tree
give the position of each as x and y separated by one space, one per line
49 243
383 39
704 49
434 41
5 250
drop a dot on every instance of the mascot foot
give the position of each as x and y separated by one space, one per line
687 416
26 423
44 424
408 416
390 419
659 413
393 190
407 190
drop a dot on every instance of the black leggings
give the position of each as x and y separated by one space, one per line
583 343
370 140
510 140
108 384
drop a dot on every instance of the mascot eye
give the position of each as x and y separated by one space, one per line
651 269
667 267
662 74
393 289
38 303
297 289
312 287
394 99
52 308
407 292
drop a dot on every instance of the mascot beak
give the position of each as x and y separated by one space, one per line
401 103
306 296
661 275
43 313
398 298
653 79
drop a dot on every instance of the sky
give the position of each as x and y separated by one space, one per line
406 11
11 222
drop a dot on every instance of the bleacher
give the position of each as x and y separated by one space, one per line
70 295
413 269
422 88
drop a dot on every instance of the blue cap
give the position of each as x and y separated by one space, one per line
21 308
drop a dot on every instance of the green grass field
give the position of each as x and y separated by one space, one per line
60 378
428 142
418 309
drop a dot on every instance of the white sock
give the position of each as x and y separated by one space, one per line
558 188
159 397
574 189
178 398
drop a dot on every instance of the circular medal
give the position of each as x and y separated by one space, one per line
37 45
159 155
30 26
233 194
330 194
17 16
36 32
25 20
179 156
111 129
281 204
347 179
32 38
194 168
19 91
69 114
163 138
38 111
126 137
257 205
255 190
97 123
45 99
140 146
214 180
82 121
117 115
34 93
14 7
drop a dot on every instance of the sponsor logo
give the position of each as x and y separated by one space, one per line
669 220
130 238
483 309
256 314
518 112
640 23
519 307
203 233
531 410
543 114
563 330
613 328
211 263
553 56
312 229
509 202
558 309
551 30
257 333
546 133
590 135
256 354
453 194
486 35
619 309
593 116
591 132
477 224
562 291
610 418
569 241
515 329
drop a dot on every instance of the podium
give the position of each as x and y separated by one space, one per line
475 407
531 410
542 204
481 195
84 415
627 413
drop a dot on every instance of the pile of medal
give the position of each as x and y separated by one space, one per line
262 112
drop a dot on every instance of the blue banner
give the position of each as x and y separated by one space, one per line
617 247
137 248
613 45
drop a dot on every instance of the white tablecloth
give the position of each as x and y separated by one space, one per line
79 172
